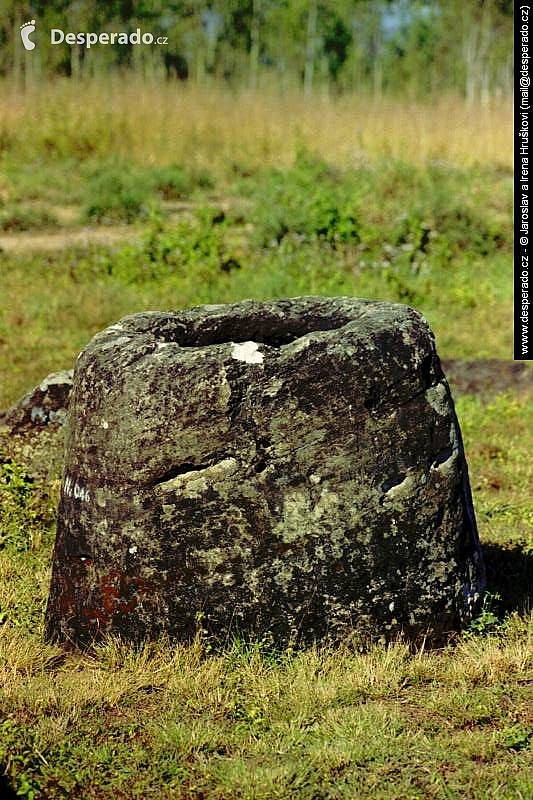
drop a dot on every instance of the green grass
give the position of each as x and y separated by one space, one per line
248 722
245 723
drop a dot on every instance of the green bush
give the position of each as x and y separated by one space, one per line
306 202
192 249
122 193
174 182
25 509
119 195
20 218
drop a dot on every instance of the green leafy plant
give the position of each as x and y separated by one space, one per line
488 620
26 510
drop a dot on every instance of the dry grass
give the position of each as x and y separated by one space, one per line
155 124
241 724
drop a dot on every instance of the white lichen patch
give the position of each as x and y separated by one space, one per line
338 542
55 379
454 436
225 388
115 342
437 397
169 511
327 505
296 510
272 388
38 414
212 558
100 496
255 583
248 352
302 343
194 483
283 571
104 424
401 491
301 517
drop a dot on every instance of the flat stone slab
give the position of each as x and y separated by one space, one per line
292 468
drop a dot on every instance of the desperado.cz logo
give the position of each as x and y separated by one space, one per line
88 39
25 31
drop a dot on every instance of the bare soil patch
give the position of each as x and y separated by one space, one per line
488 377
58 240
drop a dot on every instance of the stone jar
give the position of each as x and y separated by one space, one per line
291 468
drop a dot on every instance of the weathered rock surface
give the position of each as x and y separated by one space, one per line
292 467
31 431
46 404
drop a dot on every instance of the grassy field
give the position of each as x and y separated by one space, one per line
142 197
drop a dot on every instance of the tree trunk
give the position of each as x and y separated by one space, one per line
17 48
310 48
75 62
255 44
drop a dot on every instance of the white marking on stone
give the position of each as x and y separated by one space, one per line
391 606
132 549
104 424
247 352
73 489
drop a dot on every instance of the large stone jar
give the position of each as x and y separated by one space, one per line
291 468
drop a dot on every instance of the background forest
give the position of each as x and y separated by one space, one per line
412 48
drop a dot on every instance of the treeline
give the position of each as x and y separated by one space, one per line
409 47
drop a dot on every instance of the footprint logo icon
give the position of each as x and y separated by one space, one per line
25 31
